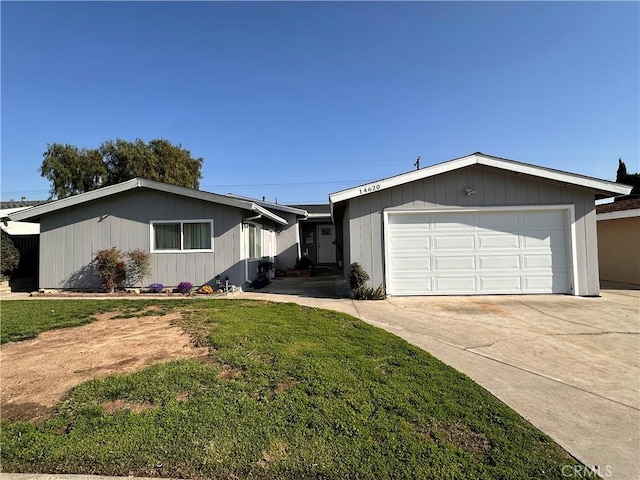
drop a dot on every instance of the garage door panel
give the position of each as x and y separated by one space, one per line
511 283
493 241
541 284
415 286
545 221
459 285
478 252
448 263
499 262
452 221
498 222
537 261
453 242
411 264
553 242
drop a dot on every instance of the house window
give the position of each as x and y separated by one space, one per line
255 240
182 236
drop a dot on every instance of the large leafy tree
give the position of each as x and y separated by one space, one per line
632 179
72 170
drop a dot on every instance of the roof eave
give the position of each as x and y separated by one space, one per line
267 214
602 188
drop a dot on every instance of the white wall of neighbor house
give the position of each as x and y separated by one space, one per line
492 187
70 238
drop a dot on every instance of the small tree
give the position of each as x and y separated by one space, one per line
138 266
111 268
9 256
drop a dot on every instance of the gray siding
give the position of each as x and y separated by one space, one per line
70 238
287 241
363 219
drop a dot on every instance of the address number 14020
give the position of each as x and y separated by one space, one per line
370 188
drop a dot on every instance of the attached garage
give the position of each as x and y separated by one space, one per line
475 225
484 251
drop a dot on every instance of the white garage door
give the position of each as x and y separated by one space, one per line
495 252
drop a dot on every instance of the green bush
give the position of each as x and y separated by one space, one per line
111 268
358 279
304 262
9 257
116 268
138 266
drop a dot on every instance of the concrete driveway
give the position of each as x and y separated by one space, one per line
570 365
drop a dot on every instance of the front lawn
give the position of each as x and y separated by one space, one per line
286 392
22 320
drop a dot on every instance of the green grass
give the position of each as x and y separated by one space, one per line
287 392
22 320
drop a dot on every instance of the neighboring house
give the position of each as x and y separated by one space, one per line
25 236
191 235
619 241
318 236
19 228
475 225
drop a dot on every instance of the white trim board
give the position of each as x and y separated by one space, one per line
634 212
36 212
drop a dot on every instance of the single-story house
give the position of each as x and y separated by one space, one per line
618 226
191 235
475 225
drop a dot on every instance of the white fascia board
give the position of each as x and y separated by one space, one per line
270 215
401 179
633 212
601 186
271 205
37 211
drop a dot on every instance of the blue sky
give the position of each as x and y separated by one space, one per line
295 100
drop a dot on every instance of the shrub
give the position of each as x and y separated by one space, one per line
138 266
9 256
184 287
265 266
116 268
358 279
205 290
304 262
156 287
260 282
111 268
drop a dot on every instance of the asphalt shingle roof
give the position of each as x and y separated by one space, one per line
619 206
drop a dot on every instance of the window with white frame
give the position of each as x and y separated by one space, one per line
254 240
182 236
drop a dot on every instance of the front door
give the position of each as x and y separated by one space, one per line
326 244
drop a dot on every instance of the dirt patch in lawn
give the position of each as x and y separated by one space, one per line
36 373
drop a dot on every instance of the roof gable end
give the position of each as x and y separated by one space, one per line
34 213
604 188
